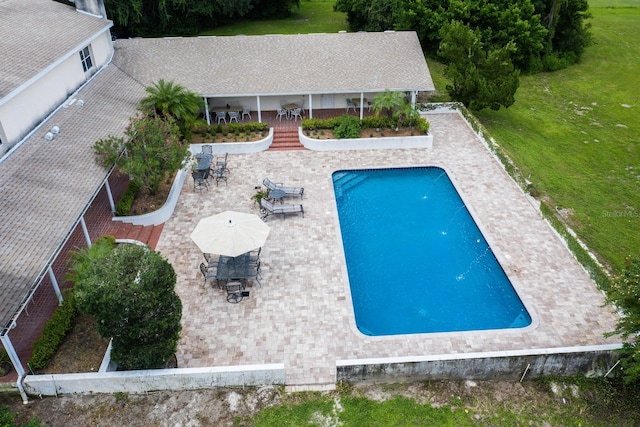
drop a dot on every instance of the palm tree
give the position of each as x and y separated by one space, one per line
389 101
171 99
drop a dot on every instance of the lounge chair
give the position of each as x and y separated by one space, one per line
288 191
267 208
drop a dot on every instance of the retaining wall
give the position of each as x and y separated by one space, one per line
153 380
514 365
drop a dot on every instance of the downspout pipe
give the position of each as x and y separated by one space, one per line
15 360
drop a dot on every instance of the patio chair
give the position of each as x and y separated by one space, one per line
282 112
207 149
296 112
235 292
205 272
288 191
233 115
267 208
212 261
221 116
199 180
350 104
221 163
246 111
220 175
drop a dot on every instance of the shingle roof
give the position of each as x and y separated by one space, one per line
47 184
280 64
35 34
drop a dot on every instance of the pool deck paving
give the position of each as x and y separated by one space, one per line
302 316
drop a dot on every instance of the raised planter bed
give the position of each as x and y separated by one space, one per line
385 143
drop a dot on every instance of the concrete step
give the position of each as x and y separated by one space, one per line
286 139
149 234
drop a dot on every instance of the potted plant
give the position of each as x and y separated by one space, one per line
260 194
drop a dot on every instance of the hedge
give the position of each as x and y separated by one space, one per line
126 201
54 333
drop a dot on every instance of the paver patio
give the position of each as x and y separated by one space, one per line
302 314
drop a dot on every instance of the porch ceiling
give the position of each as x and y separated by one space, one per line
280 64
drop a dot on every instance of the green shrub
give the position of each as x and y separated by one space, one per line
8 419
376 122
233 128
4 356
53 333
126 201
347 127
315 124
131 294
423 125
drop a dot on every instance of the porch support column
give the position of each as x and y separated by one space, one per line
413 98
54 283
109 195
259 109
17 365
310 106
361 105
206 111
85 231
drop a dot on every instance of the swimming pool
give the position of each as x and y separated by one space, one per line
416 260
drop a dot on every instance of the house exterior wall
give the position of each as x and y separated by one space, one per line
20 114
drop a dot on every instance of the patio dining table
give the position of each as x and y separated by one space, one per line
237 108
204 161
290 107
236 268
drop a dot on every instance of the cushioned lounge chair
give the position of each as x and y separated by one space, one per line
288 191
267 208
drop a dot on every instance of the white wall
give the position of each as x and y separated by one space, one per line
28 108
156 379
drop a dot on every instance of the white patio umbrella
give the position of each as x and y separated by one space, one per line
230 233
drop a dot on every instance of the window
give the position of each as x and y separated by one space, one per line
85 58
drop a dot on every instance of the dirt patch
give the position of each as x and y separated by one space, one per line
145 202
81 351
225 406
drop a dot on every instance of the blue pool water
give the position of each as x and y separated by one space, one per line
416 260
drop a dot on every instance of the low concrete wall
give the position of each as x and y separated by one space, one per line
421 141
237 147
153 380
591 361
161 215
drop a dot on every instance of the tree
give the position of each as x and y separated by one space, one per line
169 99
625 296
568 32
152 18
150 150
130 292
390 102
481 78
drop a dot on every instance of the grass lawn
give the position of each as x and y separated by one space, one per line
574 133
313 16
